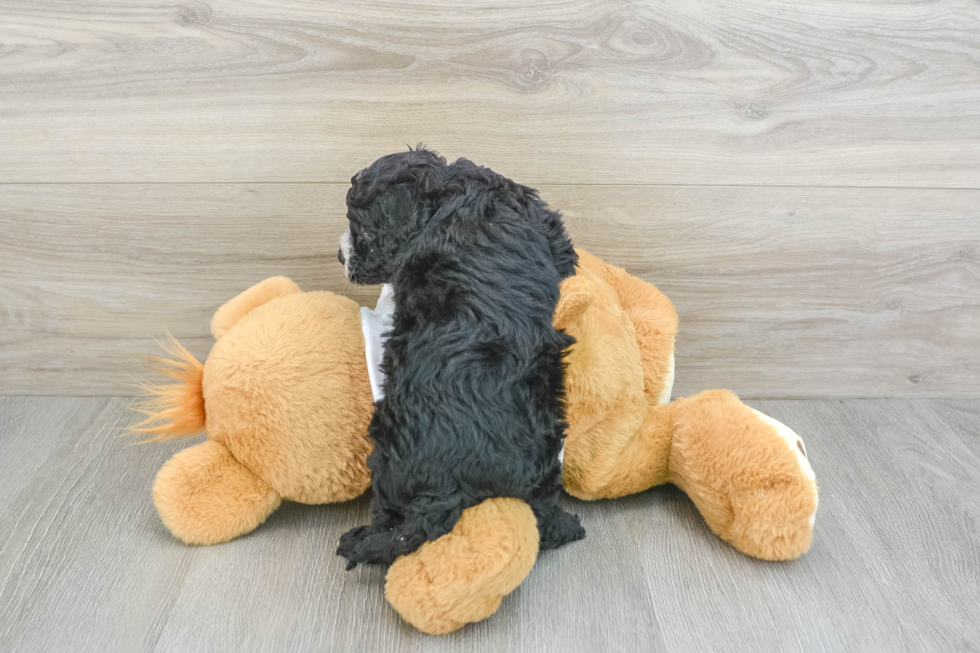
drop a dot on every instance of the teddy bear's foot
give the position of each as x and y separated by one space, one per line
205 496
461 577
776 522
765 525
747 473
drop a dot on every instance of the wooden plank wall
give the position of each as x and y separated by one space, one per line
801 178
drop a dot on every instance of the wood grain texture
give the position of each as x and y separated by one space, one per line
782 292
85 565
806 92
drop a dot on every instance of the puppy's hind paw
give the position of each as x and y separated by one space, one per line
377 545
558 528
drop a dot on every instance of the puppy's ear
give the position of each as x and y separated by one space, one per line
426 179
576 296
424 170
420 171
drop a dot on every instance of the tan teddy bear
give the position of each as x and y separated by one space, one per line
285 398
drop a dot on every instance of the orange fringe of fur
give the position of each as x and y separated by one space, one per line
173 410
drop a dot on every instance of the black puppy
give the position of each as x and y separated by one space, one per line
473 391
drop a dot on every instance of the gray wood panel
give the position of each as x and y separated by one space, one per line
85 564
782 292
591 91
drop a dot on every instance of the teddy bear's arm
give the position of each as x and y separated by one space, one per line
654 320
205 496
461 577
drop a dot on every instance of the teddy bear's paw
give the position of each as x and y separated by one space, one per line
205 496
793 442
775 521
462 577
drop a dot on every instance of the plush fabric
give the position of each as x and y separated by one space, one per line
462 577
285 401
751 482
173 410
286 390
205 496
259 294
749 486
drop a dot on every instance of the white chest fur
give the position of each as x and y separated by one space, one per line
374 325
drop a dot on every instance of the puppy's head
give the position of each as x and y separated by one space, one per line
388 205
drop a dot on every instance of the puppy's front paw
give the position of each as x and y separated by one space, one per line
349 541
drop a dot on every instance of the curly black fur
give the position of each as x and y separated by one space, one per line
472 405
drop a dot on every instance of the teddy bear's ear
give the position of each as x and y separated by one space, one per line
247 301
576 296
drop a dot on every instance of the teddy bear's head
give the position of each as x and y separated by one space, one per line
285 402
286 391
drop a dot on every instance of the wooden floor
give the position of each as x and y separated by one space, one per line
85 564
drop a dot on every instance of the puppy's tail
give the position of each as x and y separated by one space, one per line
172 410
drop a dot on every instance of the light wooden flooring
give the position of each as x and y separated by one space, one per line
85 565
